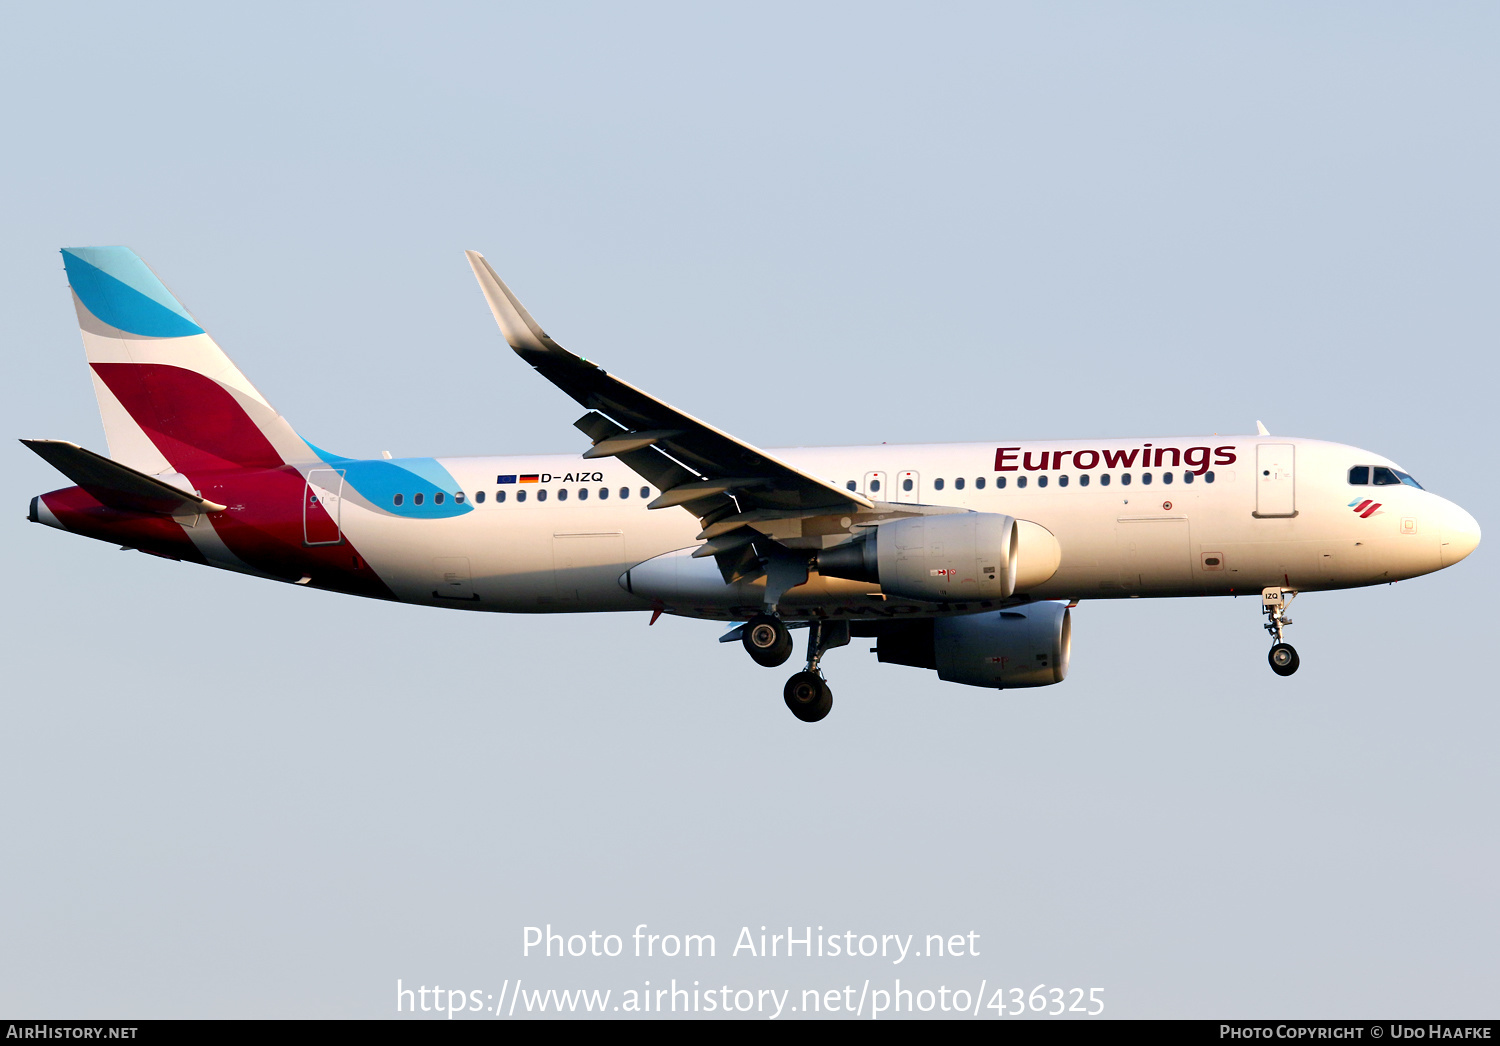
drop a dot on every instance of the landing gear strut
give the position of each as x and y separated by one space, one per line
1273 603
806 693
767 641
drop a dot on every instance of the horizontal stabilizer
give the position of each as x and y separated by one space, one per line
116 485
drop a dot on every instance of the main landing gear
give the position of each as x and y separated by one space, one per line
768 642
807 693
1273 603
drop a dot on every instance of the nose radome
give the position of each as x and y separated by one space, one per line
1460 535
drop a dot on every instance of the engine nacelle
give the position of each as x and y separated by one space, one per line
1025 646
949 558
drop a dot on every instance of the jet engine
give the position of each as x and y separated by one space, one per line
1021 647
950 558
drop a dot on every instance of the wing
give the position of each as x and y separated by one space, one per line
739 493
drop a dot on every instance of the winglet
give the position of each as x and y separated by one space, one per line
520 330
1261 430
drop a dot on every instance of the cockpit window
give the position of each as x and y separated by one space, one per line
1380 476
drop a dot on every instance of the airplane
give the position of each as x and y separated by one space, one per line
966 559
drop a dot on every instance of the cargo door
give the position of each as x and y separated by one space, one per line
1155 557
587 566
452 580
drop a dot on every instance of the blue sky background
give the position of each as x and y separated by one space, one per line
808 224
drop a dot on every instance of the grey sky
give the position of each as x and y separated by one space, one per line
807 224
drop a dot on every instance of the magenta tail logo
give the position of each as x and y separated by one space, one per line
1365 509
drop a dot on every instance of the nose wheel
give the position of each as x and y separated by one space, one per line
1273 603
1284 659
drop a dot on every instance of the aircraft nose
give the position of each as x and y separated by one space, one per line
1460 535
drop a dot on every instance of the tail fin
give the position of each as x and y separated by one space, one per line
170 399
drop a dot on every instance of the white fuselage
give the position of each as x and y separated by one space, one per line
1261 511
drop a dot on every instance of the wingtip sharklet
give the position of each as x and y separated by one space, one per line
522 332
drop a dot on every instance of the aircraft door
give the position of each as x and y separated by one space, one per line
1275 484
1155 555
321 499
452 580
588 566
875 487
908 487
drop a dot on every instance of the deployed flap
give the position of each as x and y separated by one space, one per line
116 485
705 470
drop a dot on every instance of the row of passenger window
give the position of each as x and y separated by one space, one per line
1380 476
541 495
907 485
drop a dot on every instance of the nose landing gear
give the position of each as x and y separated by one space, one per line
1273 603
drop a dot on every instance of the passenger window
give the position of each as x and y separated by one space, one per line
562 495
1166 477
1020 481
874 486
603 493
416 499
541 495
1359 475
1083 480
850 485
979 483
1062 481
583 493
645 492
999 482
1104 480
437 499
959 483
499 497
458 498
1041 481
937 484
520 495
1385 477
1208 477
1124 479
624 492
397 500
1187 477
479 497
906 484
1146 478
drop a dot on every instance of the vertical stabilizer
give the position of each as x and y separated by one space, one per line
171 401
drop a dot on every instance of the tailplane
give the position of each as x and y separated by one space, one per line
170 399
